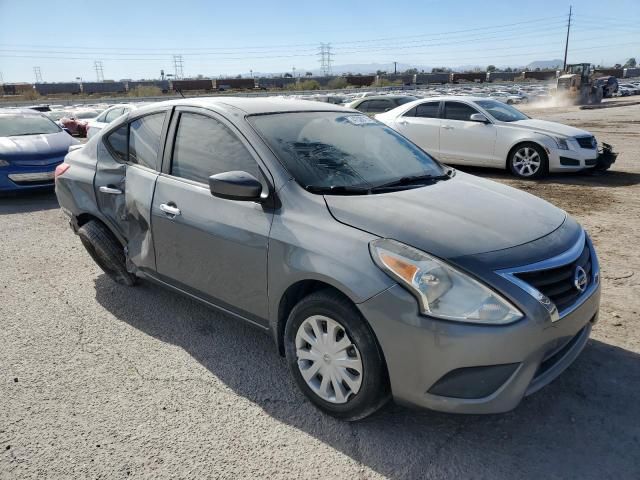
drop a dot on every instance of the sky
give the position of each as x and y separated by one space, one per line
137 38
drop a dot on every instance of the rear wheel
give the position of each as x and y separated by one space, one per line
334 357
106 251
528 161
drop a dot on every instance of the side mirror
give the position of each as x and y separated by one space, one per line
235 185
478 117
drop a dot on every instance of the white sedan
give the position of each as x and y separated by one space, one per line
488 133
109 115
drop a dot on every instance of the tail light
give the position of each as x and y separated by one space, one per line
60 169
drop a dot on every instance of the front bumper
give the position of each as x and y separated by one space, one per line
571 160
426 355
17 178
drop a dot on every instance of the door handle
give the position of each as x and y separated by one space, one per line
447 127
170 209
111 190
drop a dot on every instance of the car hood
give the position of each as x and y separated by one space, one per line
465 215
39 146
551 128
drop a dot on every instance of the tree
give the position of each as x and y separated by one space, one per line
309 74
288 75
411 71
617 66
631 63
491 68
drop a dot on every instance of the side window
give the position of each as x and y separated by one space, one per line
112 115
458 111
117 141
410 113
364 106
205 147
428 110
144 140
379 106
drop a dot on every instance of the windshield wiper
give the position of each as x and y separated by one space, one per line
338 190
414 180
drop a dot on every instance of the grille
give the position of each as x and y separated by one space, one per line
558 283
587 142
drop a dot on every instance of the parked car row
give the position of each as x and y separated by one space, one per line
628 89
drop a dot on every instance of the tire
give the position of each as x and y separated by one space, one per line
106 251
366 392
528 160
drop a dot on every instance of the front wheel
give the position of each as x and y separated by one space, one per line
528 161
334 357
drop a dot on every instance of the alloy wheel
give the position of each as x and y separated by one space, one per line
328 360
527 162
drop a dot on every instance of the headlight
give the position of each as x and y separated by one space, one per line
3 163
442 291
562 143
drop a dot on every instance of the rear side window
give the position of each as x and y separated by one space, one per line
428 110
364 106
379 106
117 141
403 100
112 115
144 140
458 111
205 147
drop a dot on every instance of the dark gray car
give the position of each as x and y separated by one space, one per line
378 271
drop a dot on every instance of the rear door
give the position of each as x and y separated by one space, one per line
463 141
209 246
421 125
128 165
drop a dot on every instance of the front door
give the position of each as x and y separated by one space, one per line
212 247
128 164
421 125
463 141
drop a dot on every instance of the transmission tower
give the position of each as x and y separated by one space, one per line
178 66
1 79
97 65
38 73
325 58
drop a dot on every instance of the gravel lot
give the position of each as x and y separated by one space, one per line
101 381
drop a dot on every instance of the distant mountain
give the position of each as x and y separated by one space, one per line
545 64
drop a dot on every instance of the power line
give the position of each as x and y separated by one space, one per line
97 65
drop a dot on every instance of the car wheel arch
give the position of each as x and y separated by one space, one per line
290 298
520 143
85 217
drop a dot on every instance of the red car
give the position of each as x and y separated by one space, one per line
76 121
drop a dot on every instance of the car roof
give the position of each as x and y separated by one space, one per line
20 111
469 98
254 105
385 97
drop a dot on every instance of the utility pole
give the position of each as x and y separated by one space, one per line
1 79
325 58
178 65
97 66
566 45
38 73
395 68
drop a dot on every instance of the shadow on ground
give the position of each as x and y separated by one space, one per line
611 178
584 425
27 202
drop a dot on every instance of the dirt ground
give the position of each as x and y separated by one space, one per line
101 381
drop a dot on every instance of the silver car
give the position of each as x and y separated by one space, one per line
379 272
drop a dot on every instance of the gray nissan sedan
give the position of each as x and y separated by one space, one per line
379 272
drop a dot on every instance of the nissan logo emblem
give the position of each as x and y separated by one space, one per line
580 279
